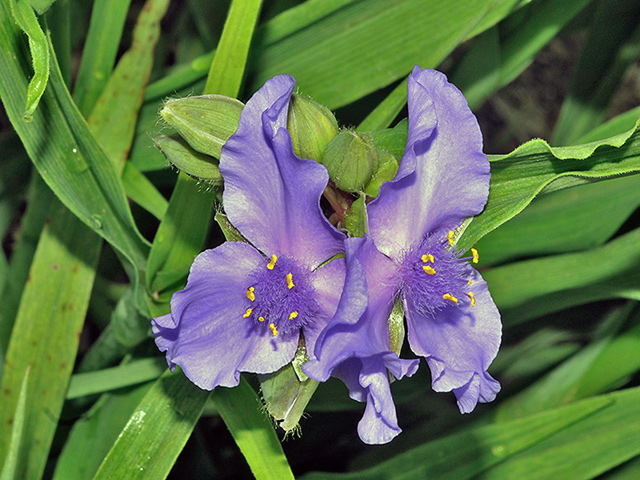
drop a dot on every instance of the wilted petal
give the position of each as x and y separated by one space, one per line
459 343
271 196
443 177
206 334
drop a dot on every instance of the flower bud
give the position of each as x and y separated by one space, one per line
311 125
206 122
186 159
351 159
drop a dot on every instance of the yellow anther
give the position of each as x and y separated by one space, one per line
247 313
473 299
448 296
250 295
469 282
290 280
427 257
274 330
476 255
450 237
293 315
429 270
261 319
272 263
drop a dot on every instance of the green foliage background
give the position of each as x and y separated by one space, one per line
99 232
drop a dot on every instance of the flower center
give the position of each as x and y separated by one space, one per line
280 298
435 276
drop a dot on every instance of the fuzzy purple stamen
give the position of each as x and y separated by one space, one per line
434 275
280 298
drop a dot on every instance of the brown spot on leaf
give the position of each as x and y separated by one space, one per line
55 267
7 391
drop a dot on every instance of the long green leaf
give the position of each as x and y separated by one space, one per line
241 410
155 434
612 45
67 156
100 49
474 451
46 333
518 177
385 40
93 434
568 220
531 288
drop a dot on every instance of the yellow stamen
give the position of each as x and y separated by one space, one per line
429 270
273 329
293 315
473 299
469 282
272 263
290 280
261 319
427 257
250 295
476 255
247 313
448 296
450 237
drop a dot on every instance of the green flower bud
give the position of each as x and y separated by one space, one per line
206 122
351 159
311 125
186 159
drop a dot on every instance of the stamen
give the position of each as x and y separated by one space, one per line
429 270
290 280
469 282
293 315
261 319
273 329
247 313
250 295
272 263
476 255
448 296
427 257
473 299
450 237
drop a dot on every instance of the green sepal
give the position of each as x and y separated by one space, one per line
386 171
287 392
392 140
396 327
206 122
130 326
230 232
355 221
195 164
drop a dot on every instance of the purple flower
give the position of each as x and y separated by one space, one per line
244 305
410 254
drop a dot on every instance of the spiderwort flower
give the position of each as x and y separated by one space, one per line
410 254
244 304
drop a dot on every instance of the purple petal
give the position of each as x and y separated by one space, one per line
355 345
328 282
206 334
443 177
459 343
368 381
271 196
359 327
